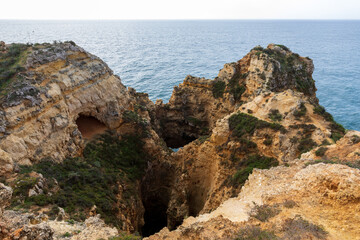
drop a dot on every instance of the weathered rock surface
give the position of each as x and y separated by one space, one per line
325 195
259 112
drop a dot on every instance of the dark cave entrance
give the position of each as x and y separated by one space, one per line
155 195
90 126
178 141
155 217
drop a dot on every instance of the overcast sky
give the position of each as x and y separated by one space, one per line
180 9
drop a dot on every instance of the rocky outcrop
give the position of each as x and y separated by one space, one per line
258 113
325 195
60 83
266 108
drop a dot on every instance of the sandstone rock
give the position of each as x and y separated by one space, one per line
5 197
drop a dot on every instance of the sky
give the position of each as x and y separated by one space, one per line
179 9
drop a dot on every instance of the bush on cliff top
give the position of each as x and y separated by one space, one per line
93 179
337 130
246 166
218 89
241 124
11 62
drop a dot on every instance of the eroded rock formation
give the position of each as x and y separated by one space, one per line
259 112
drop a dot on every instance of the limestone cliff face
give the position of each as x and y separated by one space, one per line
39 112
267 108
258 113
322 195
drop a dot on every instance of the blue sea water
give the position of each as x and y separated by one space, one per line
154 56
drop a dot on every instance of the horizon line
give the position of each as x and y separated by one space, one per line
188 19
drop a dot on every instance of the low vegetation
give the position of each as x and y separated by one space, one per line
337 130
218 89
355 164
241 124
275 115
321 151
303 81
299 228
125 236
251 232
93 179
264 212
12 62
300 112
245 167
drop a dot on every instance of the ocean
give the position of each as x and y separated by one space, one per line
154 56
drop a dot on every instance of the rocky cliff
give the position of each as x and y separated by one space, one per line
76 142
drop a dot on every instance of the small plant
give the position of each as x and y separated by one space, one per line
66 235
218 89
298 113
302 229
275 115
289 204
268 142
255 233
355 139
264 212
321 151
306 144
263 76
203 139
258 48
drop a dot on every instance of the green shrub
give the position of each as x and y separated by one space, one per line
283 47
267 142
321 151
11 62
246 166
258 48
241 124
255 233
275 115
298 113
306 144
264 212
337 130
94 178
218 89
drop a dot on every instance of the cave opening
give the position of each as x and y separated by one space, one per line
155 217
90 126
178 141
155 195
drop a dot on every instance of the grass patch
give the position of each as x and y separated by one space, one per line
12 62
264 212
241 124
218 89
321 151
275 115
255 233
94 178
246 166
